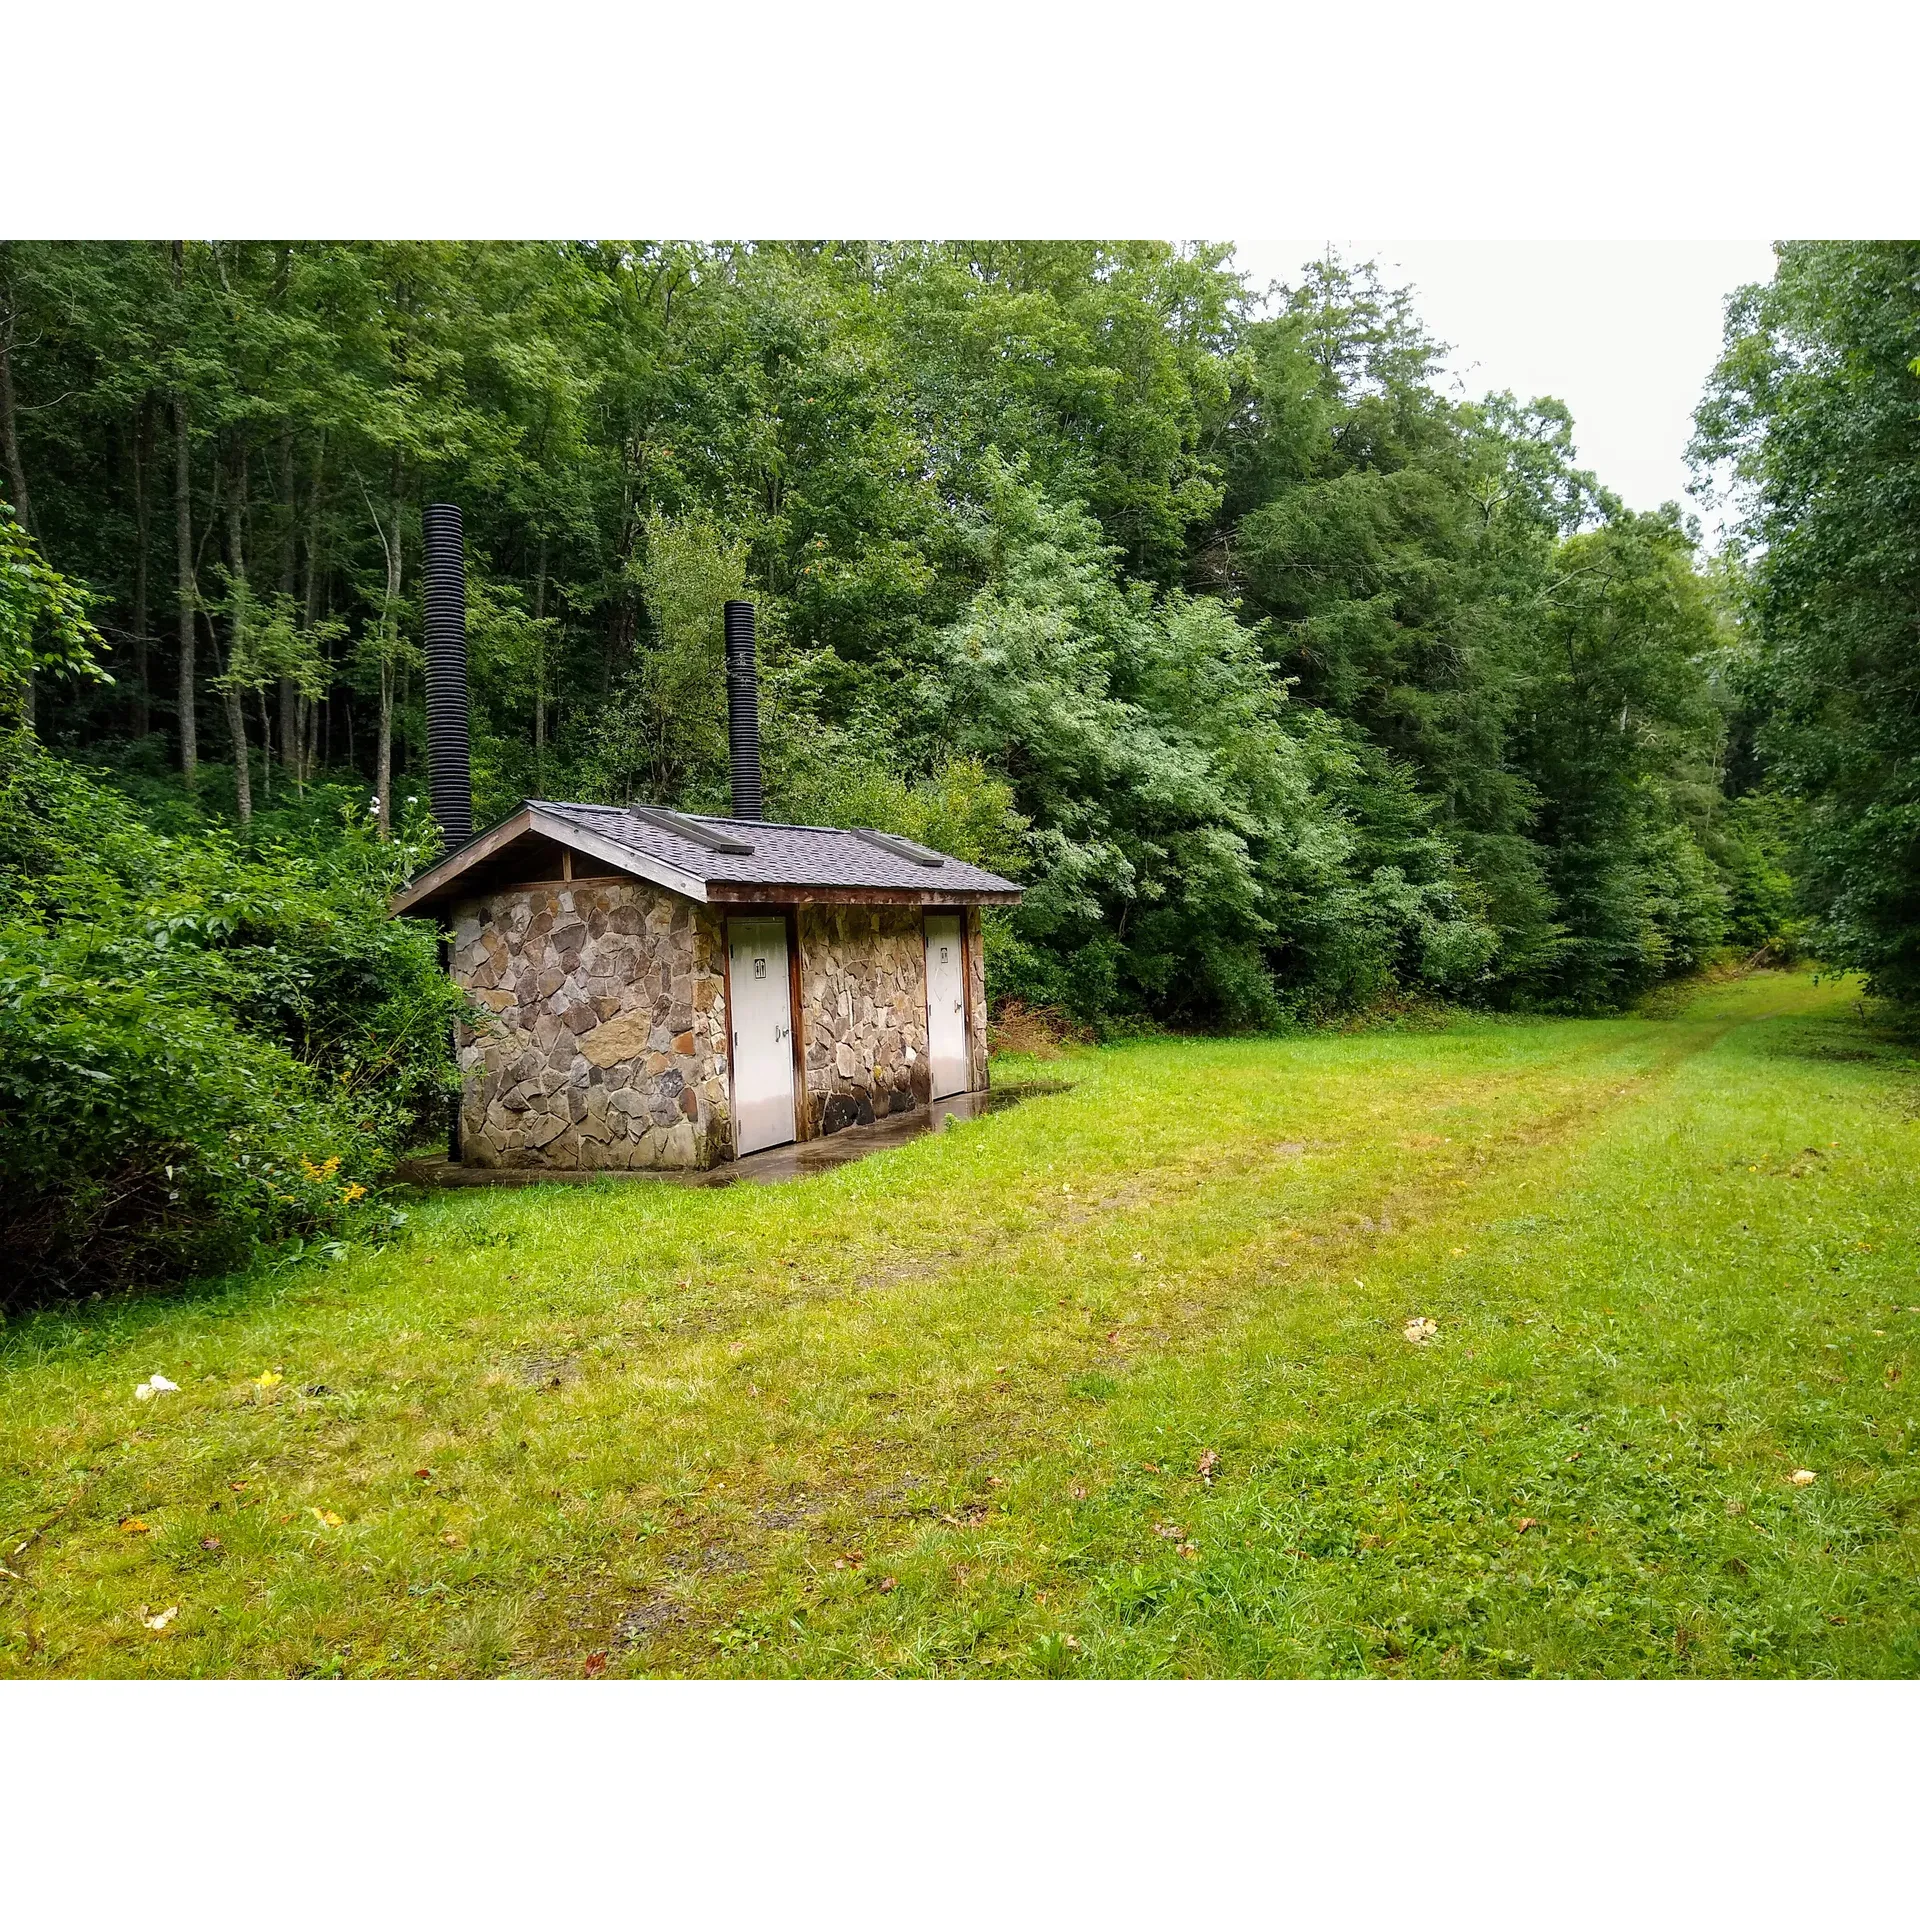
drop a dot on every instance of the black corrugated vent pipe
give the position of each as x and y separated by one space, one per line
448 753
743 712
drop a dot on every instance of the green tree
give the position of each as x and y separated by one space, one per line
44 624
1814 412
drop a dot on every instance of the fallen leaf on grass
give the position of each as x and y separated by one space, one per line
596 1665
159 1383
1521 1525
851 1561
209 1543
1420 1330
888 1584
326 1519
160 1622
1168 1531
423 1473
134 1526
1802 1478
1208 1462
1187 1550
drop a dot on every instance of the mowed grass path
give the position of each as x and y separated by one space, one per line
946 1411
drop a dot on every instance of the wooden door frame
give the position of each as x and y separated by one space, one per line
966 998
796 1046
795 1038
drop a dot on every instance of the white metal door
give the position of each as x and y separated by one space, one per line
761 1015
947 1004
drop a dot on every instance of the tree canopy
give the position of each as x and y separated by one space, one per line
1814 415
1283 679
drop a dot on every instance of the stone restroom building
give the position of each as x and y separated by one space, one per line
670 990
675 990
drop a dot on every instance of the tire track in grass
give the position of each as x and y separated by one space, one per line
1023 1414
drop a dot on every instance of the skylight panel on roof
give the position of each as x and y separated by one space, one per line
690 831
904 849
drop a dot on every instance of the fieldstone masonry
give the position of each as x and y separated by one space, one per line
863 1005
609 1042
863 1009
610 1047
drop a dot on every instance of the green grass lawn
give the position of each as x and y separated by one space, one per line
945 1411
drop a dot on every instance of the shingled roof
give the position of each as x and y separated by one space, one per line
706 858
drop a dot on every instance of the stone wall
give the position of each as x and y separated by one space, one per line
863 1012
610 1049
976 1004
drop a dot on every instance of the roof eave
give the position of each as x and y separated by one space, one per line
534 818
645 866
740 893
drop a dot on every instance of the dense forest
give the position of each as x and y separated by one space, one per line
1289 683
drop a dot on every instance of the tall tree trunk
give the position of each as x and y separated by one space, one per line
390 641
540 671
288 690
309 736
186 588
142 546
237 636
310 604
10 444
185 585
9 431
383 753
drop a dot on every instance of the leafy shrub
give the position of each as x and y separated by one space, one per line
146 1135
203 1045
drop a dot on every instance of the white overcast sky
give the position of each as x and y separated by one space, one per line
1625 332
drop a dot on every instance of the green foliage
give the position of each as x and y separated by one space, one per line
1145 1426
201 1046
1284 680
43 622
1815 412
1196 840
663 732
1756 851
1622 742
